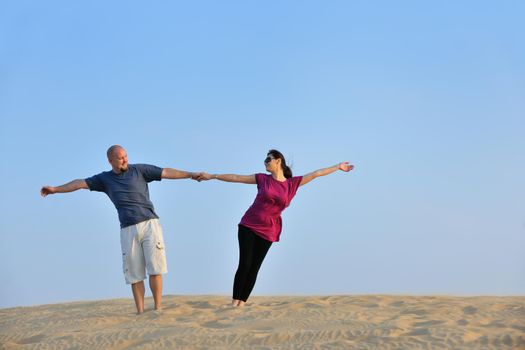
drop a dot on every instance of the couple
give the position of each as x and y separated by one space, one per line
141 235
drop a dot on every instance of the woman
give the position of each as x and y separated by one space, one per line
261 224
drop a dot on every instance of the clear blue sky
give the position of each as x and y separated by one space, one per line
426 99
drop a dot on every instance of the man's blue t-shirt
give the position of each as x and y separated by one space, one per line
128 191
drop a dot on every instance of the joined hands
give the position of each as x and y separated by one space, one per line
201 176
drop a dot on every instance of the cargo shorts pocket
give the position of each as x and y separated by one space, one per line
158 259
124 263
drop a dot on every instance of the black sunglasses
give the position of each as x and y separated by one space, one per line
268 159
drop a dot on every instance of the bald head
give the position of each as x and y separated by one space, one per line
118 158
112 150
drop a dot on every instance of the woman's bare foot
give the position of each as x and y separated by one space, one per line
237 303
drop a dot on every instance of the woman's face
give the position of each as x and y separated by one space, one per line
272 164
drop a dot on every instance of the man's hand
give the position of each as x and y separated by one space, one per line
45 190
344 166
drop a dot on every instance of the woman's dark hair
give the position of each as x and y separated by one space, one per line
278 155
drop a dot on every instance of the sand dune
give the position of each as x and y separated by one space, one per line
332 322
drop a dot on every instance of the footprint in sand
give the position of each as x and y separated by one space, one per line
462 322
470 310
428 323
372 305
414 312
32 340
416 332
507 340
201 304
519 328
397 303
275 303
313 306
216 325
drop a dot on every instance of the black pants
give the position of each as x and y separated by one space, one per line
252 250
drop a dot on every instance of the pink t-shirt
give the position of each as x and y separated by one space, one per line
264 216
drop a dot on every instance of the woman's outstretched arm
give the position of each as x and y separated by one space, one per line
344 166
245 179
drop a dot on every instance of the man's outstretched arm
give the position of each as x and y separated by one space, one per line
170 173
69 187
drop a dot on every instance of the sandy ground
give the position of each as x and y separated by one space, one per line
313 322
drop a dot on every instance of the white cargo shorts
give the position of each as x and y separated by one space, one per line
143 250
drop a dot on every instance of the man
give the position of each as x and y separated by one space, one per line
141 236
